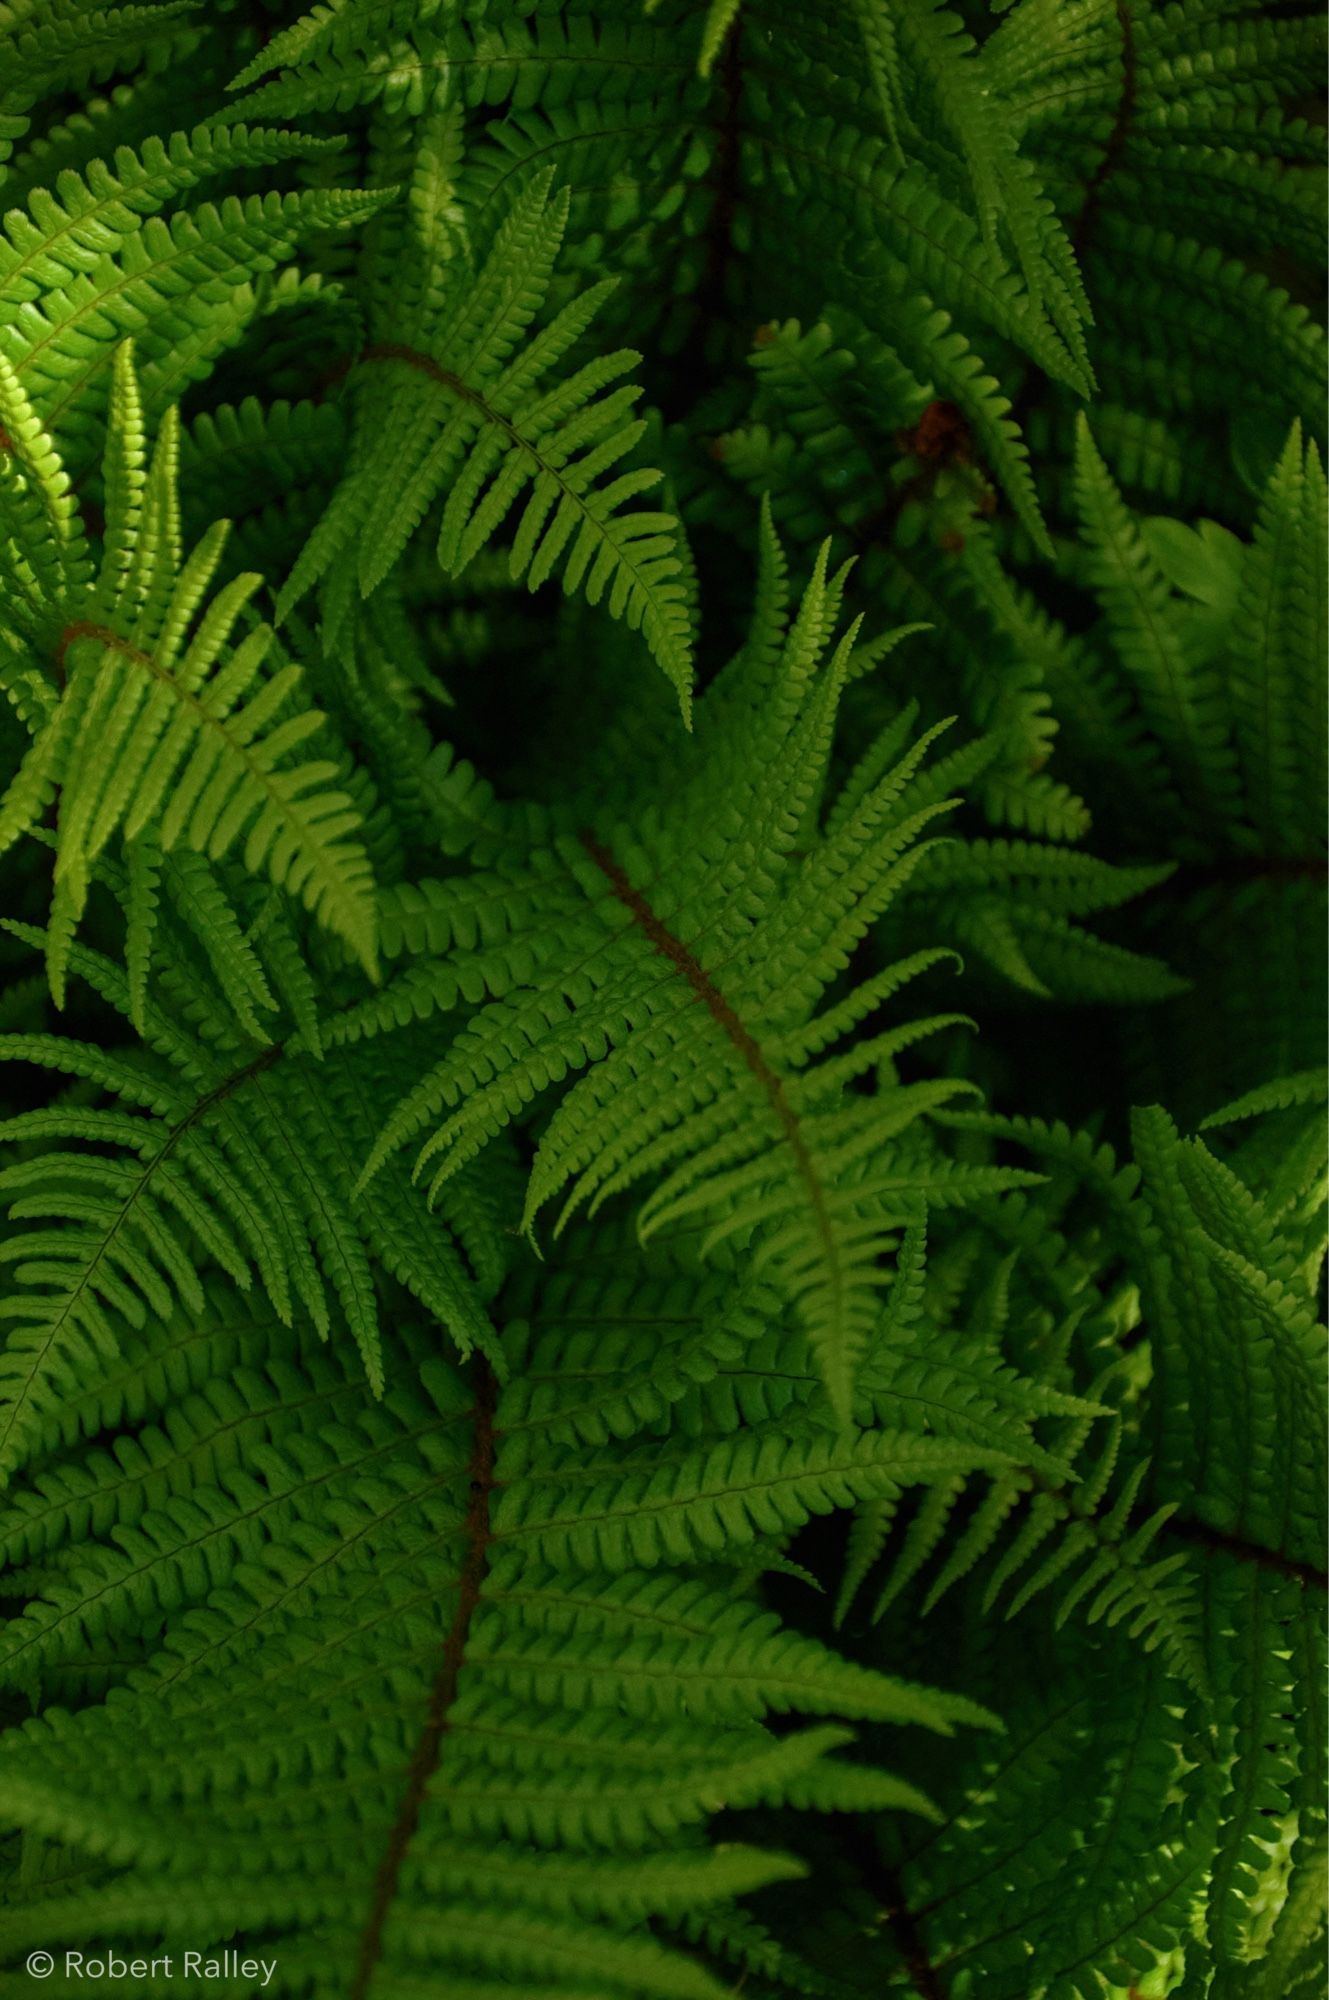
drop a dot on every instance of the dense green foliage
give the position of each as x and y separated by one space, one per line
663 791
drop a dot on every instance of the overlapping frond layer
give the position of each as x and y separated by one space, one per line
662 792
526 1691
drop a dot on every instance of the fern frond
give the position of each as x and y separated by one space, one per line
165 725
601 1395
716 1088
485 423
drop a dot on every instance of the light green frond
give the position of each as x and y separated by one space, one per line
470 417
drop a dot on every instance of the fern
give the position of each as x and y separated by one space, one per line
662 1331
147 734
484 424
719 1084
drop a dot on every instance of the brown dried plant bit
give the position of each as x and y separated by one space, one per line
940 437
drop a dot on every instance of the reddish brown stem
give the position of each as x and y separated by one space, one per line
1116 145
720 1011
907 1931
395 350
442 1695
725 178
82 629
1205 1537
